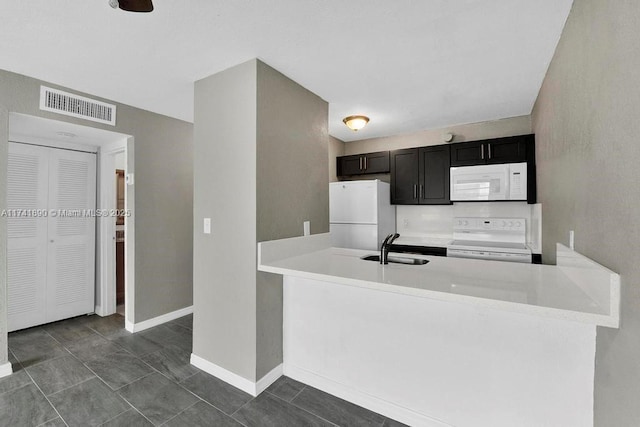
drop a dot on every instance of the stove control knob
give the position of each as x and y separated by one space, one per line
510 223
517 223
504 223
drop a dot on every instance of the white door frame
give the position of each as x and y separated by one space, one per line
106 230
105 226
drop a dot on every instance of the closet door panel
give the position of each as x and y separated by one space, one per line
27 202
71 235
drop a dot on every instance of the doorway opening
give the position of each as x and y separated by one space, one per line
114 214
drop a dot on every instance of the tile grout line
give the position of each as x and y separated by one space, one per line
132 382
190 406
130 407
71 386
191 376
243 405
47 398
298 393
48 421
303 409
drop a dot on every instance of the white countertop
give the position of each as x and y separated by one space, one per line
580 290
436 242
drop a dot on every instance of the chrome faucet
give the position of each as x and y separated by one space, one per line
386 246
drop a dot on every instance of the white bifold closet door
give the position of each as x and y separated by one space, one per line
51 259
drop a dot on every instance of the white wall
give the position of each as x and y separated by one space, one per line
120 160
437 221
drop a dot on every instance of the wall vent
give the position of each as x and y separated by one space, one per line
73 105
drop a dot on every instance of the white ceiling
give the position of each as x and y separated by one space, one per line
25 128
407 64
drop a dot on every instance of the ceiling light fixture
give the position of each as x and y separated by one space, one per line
132 5
355 123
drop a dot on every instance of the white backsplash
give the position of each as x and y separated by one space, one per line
437 221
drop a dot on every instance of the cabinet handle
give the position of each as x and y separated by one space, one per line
365 163
415 191
421 191
489 148
360 163
482 151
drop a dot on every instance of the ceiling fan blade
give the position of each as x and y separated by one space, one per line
136 5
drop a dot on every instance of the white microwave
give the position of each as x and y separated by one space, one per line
489 182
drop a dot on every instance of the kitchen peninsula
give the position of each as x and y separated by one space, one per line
453 342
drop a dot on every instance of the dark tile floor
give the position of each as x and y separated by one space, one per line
89 371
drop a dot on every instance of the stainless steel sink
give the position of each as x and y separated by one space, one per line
396 260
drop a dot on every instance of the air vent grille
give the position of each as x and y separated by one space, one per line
69 104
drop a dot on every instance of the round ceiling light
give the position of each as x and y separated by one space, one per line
355 123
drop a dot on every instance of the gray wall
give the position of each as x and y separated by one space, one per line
292 186
4 134
224 262
261 169
163 198
586 121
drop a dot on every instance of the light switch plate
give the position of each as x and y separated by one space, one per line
207 226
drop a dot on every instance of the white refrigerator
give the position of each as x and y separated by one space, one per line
360 214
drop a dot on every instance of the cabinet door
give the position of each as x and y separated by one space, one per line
350 165
376 162
404 176
506 150
434 175
468 154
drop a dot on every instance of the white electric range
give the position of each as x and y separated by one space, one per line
500 239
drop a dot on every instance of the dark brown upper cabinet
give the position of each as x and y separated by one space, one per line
405 176
434 175
514 149
420 176
363 164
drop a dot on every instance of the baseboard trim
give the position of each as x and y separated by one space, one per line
129 326
375 404
6 370
236 380
273 375
137 327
